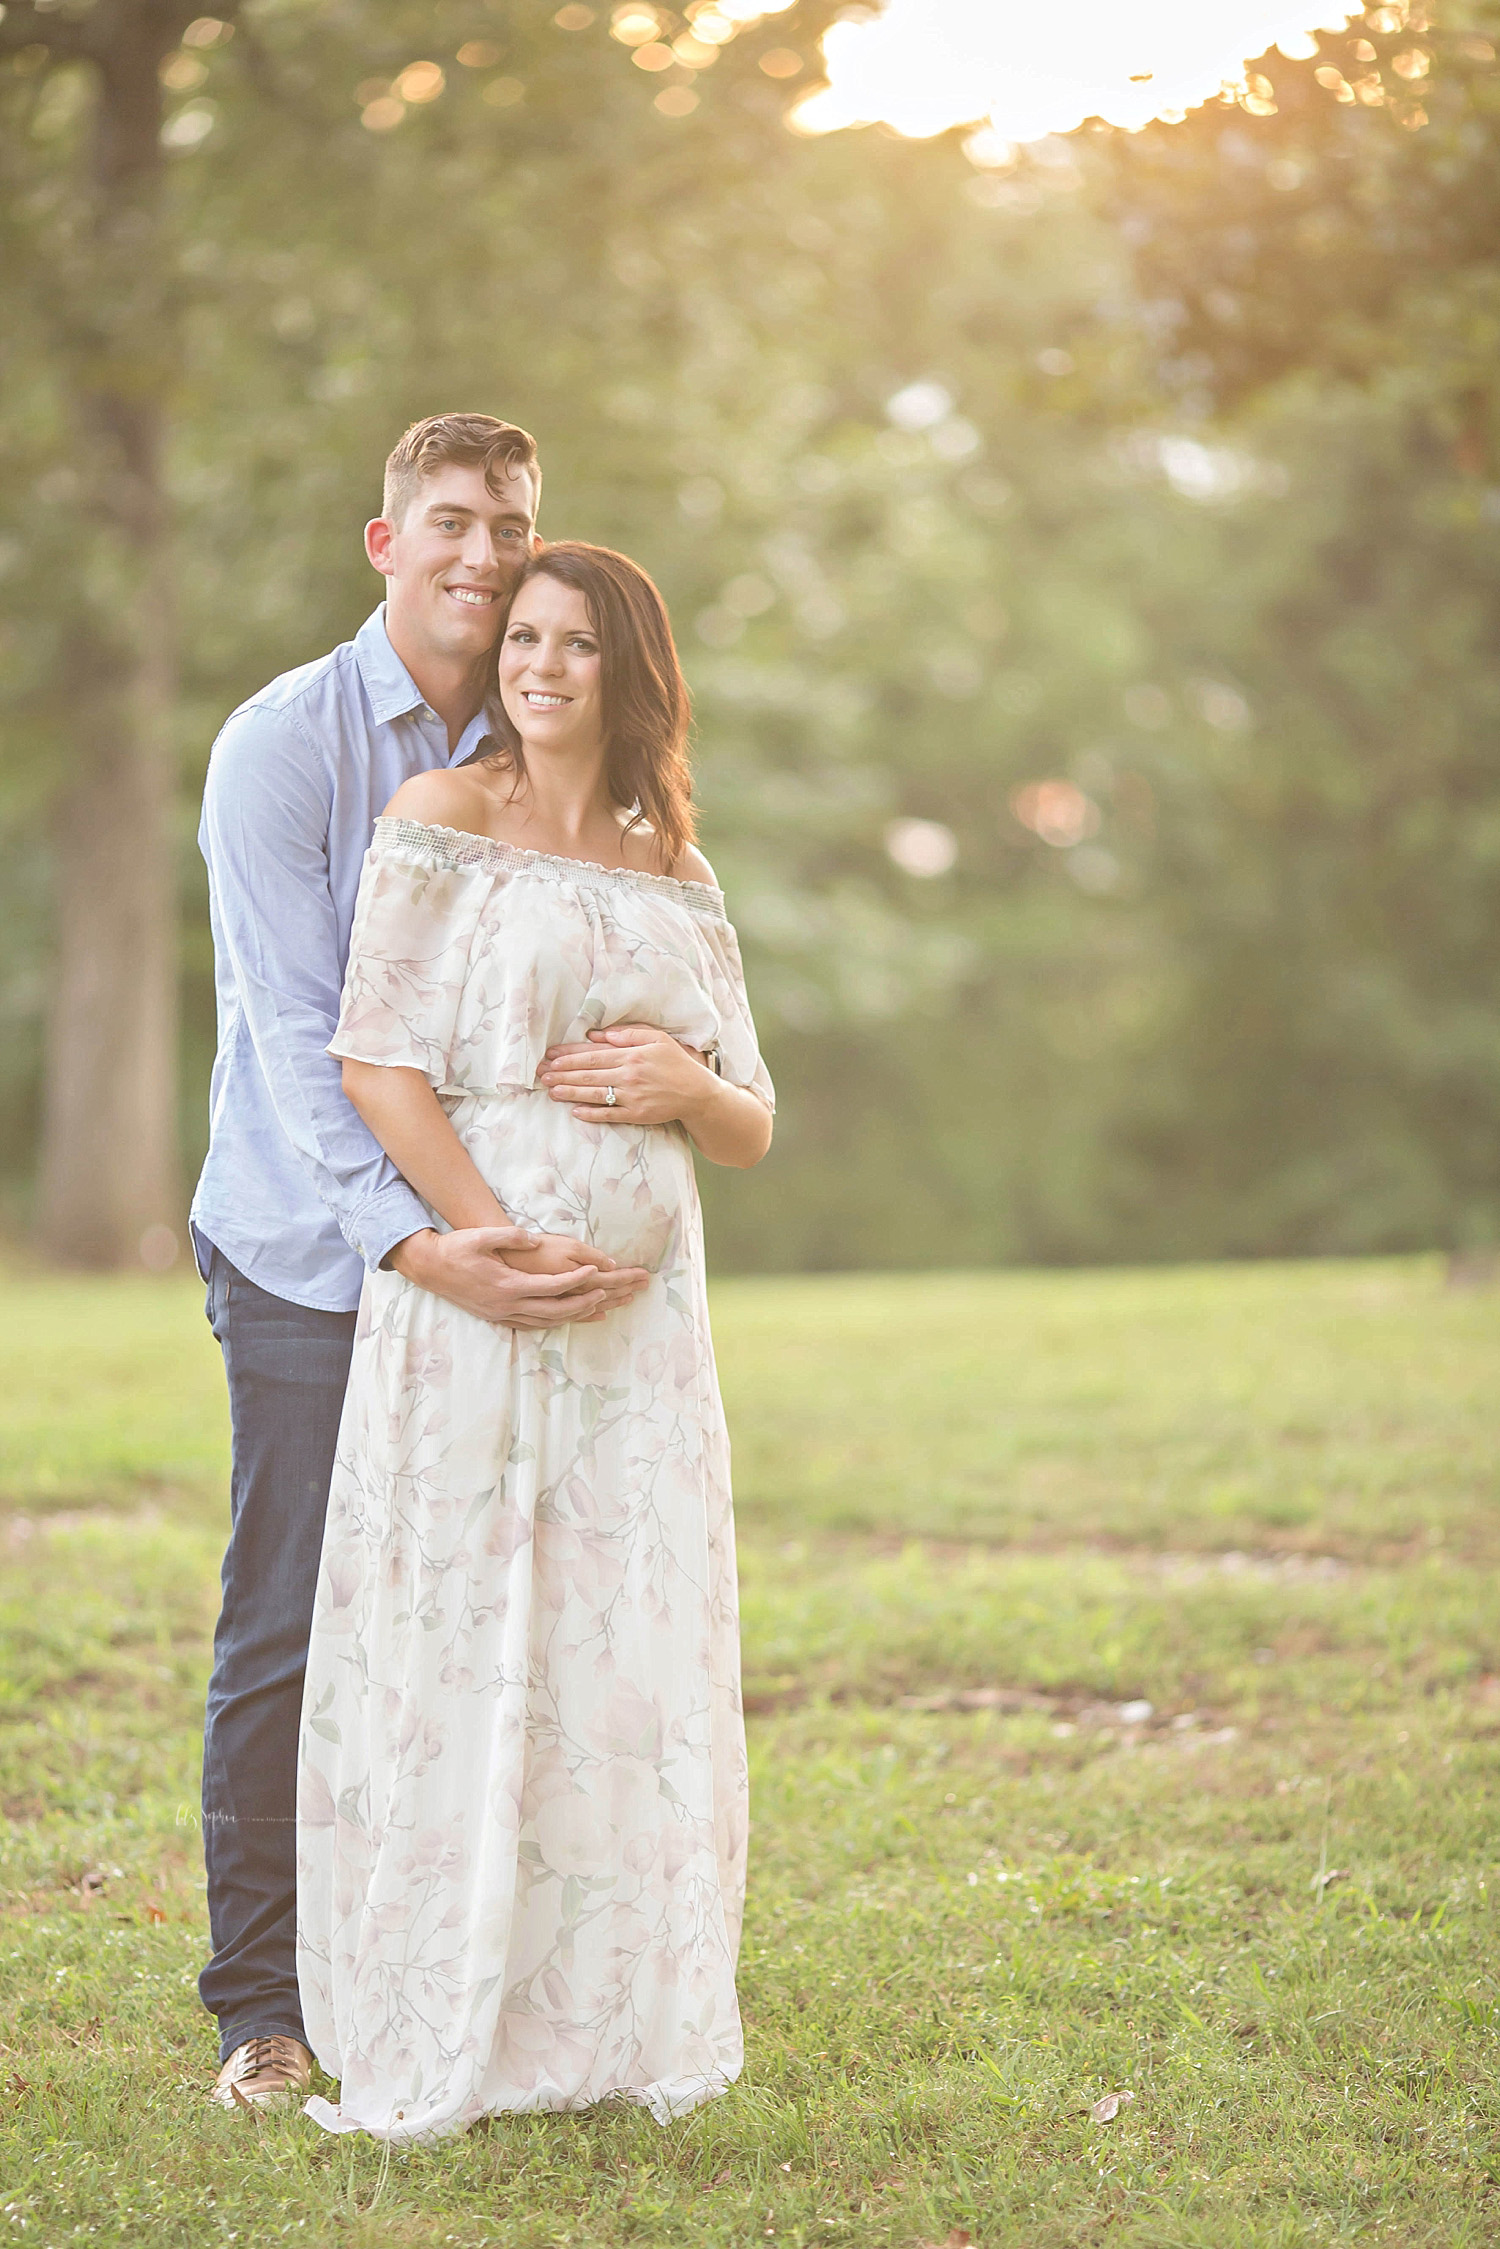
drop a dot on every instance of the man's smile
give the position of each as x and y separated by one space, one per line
474 597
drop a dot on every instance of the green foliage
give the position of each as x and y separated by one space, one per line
983 1895
1247 1008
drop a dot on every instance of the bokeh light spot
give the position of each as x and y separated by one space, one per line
1056 811
921 847
420 82
634 26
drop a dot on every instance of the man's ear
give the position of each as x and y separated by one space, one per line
378 537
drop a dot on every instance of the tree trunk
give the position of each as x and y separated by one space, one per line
109 1191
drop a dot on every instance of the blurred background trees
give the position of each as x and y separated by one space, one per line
1085 568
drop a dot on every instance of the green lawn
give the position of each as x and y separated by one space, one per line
980 1516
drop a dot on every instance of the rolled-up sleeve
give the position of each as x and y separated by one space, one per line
266 811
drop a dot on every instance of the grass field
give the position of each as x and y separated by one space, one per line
985 1520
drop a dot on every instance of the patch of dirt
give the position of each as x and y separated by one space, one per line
17 1531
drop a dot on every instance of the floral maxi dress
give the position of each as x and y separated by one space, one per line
522 1802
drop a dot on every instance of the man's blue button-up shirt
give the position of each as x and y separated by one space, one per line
295 1190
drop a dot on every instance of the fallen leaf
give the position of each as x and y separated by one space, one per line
1322 1881
91 1886
154 1913
1106 2110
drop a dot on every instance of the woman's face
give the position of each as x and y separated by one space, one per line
551 670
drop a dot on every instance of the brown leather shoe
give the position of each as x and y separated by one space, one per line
261 2071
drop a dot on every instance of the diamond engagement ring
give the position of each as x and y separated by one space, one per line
611 1098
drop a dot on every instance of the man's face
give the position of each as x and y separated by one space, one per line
449 563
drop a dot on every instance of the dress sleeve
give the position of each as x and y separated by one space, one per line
739 1048
415 922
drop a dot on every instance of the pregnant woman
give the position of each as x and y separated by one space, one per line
522 1806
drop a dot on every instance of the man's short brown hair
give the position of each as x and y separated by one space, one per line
472 441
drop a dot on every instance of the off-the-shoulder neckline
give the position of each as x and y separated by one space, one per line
462 848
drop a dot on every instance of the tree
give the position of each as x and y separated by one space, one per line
108 1189
116 274
963 523
1320 290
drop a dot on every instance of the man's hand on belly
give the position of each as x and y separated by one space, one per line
561 1254
471 1268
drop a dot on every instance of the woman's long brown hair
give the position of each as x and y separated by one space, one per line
645 697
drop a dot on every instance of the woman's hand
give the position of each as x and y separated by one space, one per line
656 1079
557 1253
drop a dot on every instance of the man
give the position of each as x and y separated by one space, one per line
296 1198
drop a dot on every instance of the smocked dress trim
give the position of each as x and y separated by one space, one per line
455 848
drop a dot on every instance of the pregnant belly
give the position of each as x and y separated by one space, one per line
624 1189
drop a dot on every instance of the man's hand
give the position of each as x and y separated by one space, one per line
559 1253
656 1080
471 1268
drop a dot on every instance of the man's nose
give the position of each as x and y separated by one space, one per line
478 552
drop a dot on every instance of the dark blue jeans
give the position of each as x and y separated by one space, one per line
287 1368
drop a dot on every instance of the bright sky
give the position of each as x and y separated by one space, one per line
925 65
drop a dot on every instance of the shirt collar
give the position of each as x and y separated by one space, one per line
476 737
388 683
394 693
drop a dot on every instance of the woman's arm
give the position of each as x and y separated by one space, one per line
409 1121
656 1081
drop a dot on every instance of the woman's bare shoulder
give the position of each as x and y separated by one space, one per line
440 800
691 866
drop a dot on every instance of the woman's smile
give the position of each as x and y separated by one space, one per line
551 668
